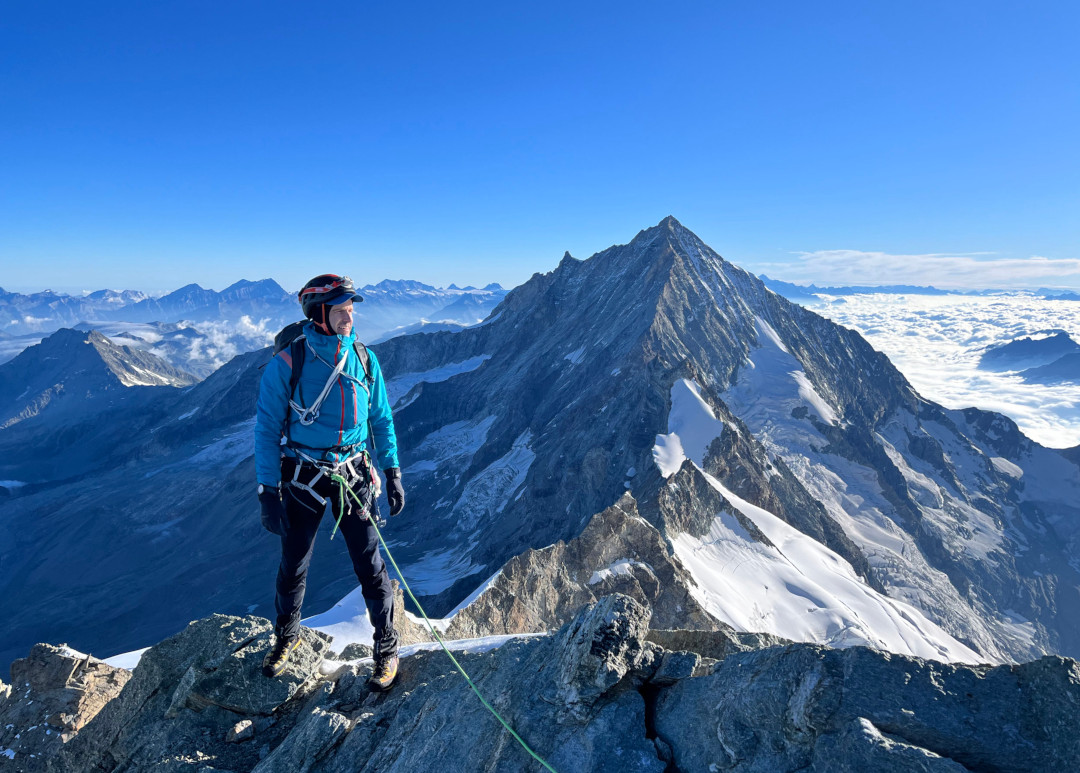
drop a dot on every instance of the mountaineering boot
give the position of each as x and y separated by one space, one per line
382 678
278 656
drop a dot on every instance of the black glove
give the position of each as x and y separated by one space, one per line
274 519
395 494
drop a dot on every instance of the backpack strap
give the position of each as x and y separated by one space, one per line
365 362
297 354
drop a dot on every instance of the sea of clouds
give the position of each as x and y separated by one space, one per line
936 342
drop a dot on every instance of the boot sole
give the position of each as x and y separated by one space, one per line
379 688
376 687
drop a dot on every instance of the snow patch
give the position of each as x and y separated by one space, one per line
399 387
437 570
487 321
624 566
489 491
576 356
231 449
1005 467
799 589
457 441
127 660
774 383
692 426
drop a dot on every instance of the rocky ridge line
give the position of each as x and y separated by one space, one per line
599 694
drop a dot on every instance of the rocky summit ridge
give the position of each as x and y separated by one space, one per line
601 693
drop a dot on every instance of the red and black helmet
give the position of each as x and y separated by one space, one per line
326 290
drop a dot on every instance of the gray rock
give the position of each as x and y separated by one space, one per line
675 666
599 647
861 746
54 693
541 589
804 707
715 645
595 662
599 694
355 651
241 731
189 690
308 745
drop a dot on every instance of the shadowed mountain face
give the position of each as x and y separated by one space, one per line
515 432
61 400
71 367
1029 353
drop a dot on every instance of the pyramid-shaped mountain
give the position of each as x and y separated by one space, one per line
607 374
556 401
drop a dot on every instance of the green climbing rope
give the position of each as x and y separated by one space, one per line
344 487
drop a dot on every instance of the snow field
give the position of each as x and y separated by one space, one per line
796 588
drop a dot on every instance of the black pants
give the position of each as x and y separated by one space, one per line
304 513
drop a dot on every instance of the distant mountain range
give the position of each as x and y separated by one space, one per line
198 330
797 292
388 304
1047 358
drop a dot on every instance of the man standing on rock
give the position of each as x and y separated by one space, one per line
320 400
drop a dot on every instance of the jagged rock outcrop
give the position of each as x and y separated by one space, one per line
805 707
603 693
53 693
618 552
188 695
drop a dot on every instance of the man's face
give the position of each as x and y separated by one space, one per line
341 318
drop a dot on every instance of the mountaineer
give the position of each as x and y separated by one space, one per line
320 400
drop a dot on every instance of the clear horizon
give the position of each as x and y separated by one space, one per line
157 145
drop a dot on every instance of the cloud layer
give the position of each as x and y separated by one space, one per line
936 342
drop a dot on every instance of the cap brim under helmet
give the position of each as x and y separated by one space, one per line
344 298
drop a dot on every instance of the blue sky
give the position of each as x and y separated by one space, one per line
147 145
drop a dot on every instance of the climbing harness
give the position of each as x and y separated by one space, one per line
337 471
341 482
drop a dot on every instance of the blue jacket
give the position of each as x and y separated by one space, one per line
343 417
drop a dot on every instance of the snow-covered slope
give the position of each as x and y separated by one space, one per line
787 584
